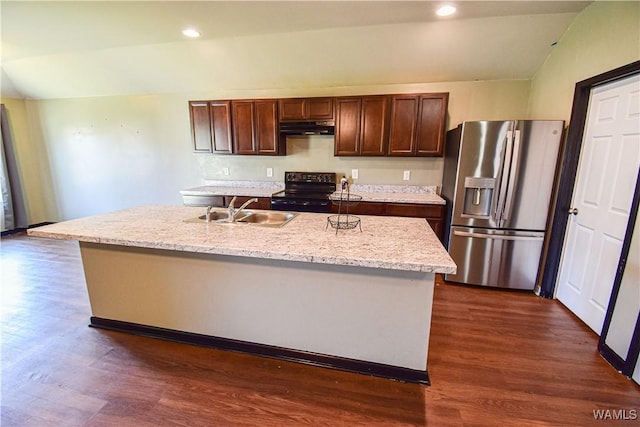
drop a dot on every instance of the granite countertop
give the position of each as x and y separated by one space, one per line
385 242
419 198
397 194
235 188
370 193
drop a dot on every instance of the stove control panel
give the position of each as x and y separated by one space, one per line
311 177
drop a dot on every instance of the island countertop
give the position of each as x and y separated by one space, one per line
392 243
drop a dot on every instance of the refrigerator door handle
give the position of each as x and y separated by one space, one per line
539 236
504 178
513 176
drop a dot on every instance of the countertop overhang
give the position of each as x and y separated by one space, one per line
392 243
218 190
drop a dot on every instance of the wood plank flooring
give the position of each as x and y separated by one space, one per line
496 358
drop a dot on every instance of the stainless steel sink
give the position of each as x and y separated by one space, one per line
264 219
268 219
214 216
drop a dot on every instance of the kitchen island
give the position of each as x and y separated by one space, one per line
354 300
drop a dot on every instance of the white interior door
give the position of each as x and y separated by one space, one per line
609 161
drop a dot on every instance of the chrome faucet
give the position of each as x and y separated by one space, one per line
233 213
208 214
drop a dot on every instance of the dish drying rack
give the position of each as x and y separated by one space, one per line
344 200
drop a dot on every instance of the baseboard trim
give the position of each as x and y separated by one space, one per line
291 355
24 229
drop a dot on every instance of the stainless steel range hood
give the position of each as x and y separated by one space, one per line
307 128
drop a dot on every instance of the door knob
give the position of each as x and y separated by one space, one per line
573 211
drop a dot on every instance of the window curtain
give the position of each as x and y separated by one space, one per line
13 213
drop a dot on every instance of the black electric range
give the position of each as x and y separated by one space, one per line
305 192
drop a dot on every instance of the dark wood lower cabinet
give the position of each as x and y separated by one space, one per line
434 214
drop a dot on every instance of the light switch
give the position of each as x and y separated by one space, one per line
269 172
406 175
354 173
225 171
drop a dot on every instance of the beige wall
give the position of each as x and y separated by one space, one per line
606 35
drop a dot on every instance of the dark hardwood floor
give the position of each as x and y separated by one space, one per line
496 358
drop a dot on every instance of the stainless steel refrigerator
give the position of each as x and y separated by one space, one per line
498 183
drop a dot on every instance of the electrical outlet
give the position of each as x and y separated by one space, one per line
225 171
269 172
354 173
406 176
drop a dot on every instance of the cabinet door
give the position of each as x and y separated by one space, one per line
243 140
292 109
347 133
432 118
319 108
220 112
373 128
200 126
266 126
402 127
306 109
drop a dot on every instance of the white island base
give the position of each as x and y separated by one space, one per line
367 320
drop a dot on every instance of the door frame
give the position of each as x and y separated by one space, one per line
623 363
570 156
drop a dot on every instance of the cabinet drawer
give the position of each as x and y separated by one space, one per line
415 210
363 208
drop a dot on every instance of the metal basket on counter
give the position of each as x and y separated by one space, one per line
345 199
343 220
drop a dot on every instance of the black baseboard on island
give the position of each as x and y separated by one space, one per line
286 354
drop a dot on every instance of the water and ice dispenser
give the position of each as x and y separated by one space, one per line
478 193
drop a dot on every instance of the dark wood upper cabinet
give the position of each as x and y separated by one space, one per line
243 134
266 127
255 127
378 125
320 108
373 127
361 124
432 121
417 126
210 126
306 109
402 129
200 126
347 133
220 113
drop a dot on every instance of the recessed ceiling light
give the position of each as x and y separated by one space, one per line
446 10
190 32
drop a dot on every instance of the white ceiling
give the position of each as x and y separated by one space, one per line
55 49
